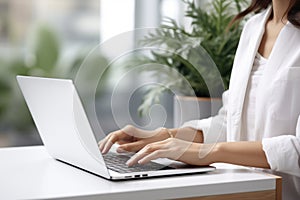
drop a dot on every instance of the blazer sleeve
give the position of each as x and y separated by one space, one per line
214 128
283 152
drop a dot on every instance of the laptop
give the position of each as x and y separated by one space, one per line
66 133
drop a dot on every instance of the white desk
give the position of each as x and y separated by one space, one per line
30 173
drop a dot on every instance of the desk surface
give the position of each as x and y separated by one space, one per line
30 173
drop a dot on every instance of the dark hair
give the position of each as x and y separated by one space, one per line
293 11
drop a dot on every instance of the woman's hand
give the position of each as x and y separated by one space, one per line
238 153
132 139
175 149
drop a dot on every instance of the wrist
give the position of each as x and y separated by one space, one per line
216 153
201 154
170 134
209 153
165 133
199 137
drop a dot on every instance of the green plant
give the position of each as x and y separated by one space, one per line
180 47
42 58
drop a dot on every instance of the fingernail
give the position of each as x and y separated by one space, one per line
141 162
120 150
128 163
104 151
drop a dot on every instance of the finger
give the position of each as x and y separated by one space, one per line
132 147
110 141
135 158
121 142
142 153
152 156
116 136
120 150
102 143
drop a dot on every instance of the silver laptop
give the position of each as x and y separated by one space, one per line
63 125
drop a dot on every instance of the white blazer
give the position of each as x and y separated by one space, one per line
277 100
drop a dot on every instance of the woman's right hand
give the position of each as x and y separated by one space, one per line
132 139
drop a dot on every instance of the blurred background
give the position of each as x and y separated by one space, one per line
51 38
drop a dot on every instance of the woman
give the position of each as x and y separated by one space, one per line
260 116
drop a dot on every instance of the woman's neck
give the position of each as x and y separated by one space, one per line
279 10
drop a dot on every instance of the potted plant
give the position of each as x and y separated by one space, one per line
209 33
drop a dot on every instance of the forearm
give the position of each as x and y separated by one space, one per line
240 153
187 134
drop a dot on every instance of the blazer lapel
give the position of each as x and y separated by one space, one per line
242 74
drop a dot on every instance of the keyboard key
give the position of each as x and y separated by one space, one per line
117 162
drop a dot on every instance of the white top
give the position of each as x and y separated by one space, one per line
30 173
277 106
248 119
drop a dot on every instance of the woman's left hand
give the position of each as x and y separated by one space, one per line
175 149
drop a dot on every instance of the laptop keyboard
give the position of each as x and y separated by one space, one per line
117 162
